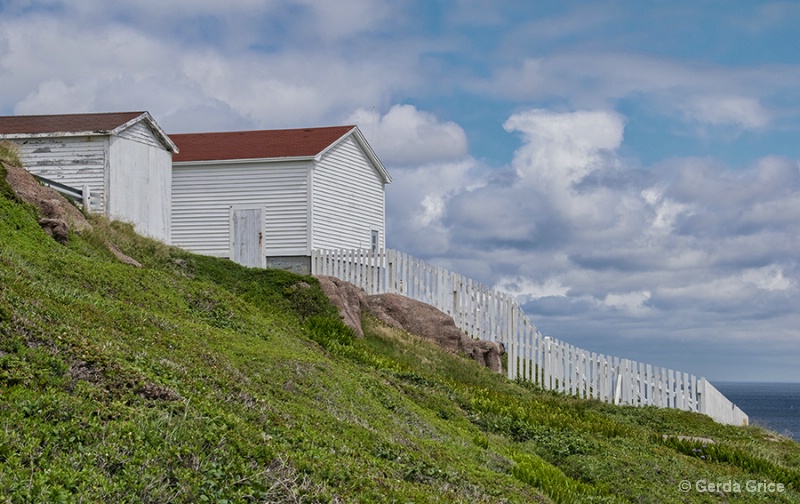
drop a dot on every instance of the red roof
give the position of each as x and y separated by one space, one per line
264 144
65 123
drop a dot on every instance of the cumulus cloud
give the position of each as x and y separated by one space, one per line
583 240
93 56
418 202
406 135
562 148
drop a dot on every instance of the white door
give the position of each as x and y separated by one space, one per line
247 236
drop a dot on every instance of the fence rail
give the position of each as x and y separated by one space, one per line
89 199
486 314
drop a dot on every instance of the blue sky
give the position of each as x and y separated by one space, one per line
629 170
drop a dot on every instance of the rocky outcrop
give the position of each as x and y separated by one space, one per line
408 315
349 299
432 324
58 215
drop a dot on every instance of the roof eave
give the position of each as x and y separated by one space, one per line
16 136
362 141
145 116
244 161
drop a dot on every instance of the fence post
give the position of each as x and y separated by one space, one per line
87 198
486 314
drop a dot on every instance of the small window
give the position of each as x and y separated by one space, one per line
375 241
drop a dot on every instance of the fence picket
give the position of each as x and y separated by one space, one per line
486 314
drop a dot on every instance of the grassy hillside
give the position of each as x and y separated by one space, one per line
195 380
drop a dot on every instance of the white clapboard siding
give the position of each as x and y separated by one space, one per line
72 161
202 195
484 313
142 133
348 199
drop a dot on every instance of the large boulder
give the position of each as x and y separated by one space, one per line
349 299
411 316
432 324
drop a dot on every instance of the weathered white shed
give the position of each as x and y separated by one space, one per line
268 198
125 157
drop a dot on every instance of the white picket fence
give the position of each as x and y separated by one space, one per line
484 313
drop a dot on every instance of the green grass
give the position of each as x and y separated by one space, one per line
193 379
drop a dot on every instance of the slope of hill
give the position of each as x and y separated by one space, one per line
193 379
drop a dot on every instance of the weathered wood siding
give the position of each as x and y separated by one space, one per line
141 132
348 199
247 231
139 183
202 195
73 161
131 172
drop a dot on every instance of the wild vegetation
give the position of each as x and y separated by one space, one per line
193 379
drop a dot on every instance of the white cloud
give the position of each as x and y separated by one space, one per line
80 58
631 302
709 94
526 289
417 203
737 111
346 18
559 151
590 245
667 211
406 135
769 278
55 97
562 148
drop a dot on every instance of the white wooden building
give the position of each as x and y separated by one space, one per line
124 157
268 198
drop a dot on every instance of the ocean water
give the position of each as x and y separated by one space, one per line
775 406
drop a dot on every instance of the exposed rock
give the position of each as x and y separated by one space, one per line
349 299
57 228
417 318
487 353
122 257
427 322
58 214
414 317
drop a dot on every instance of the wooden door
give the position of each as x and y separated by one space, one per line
247 228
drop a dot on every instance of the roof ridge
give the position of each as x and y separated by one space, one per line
231 132
131 112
